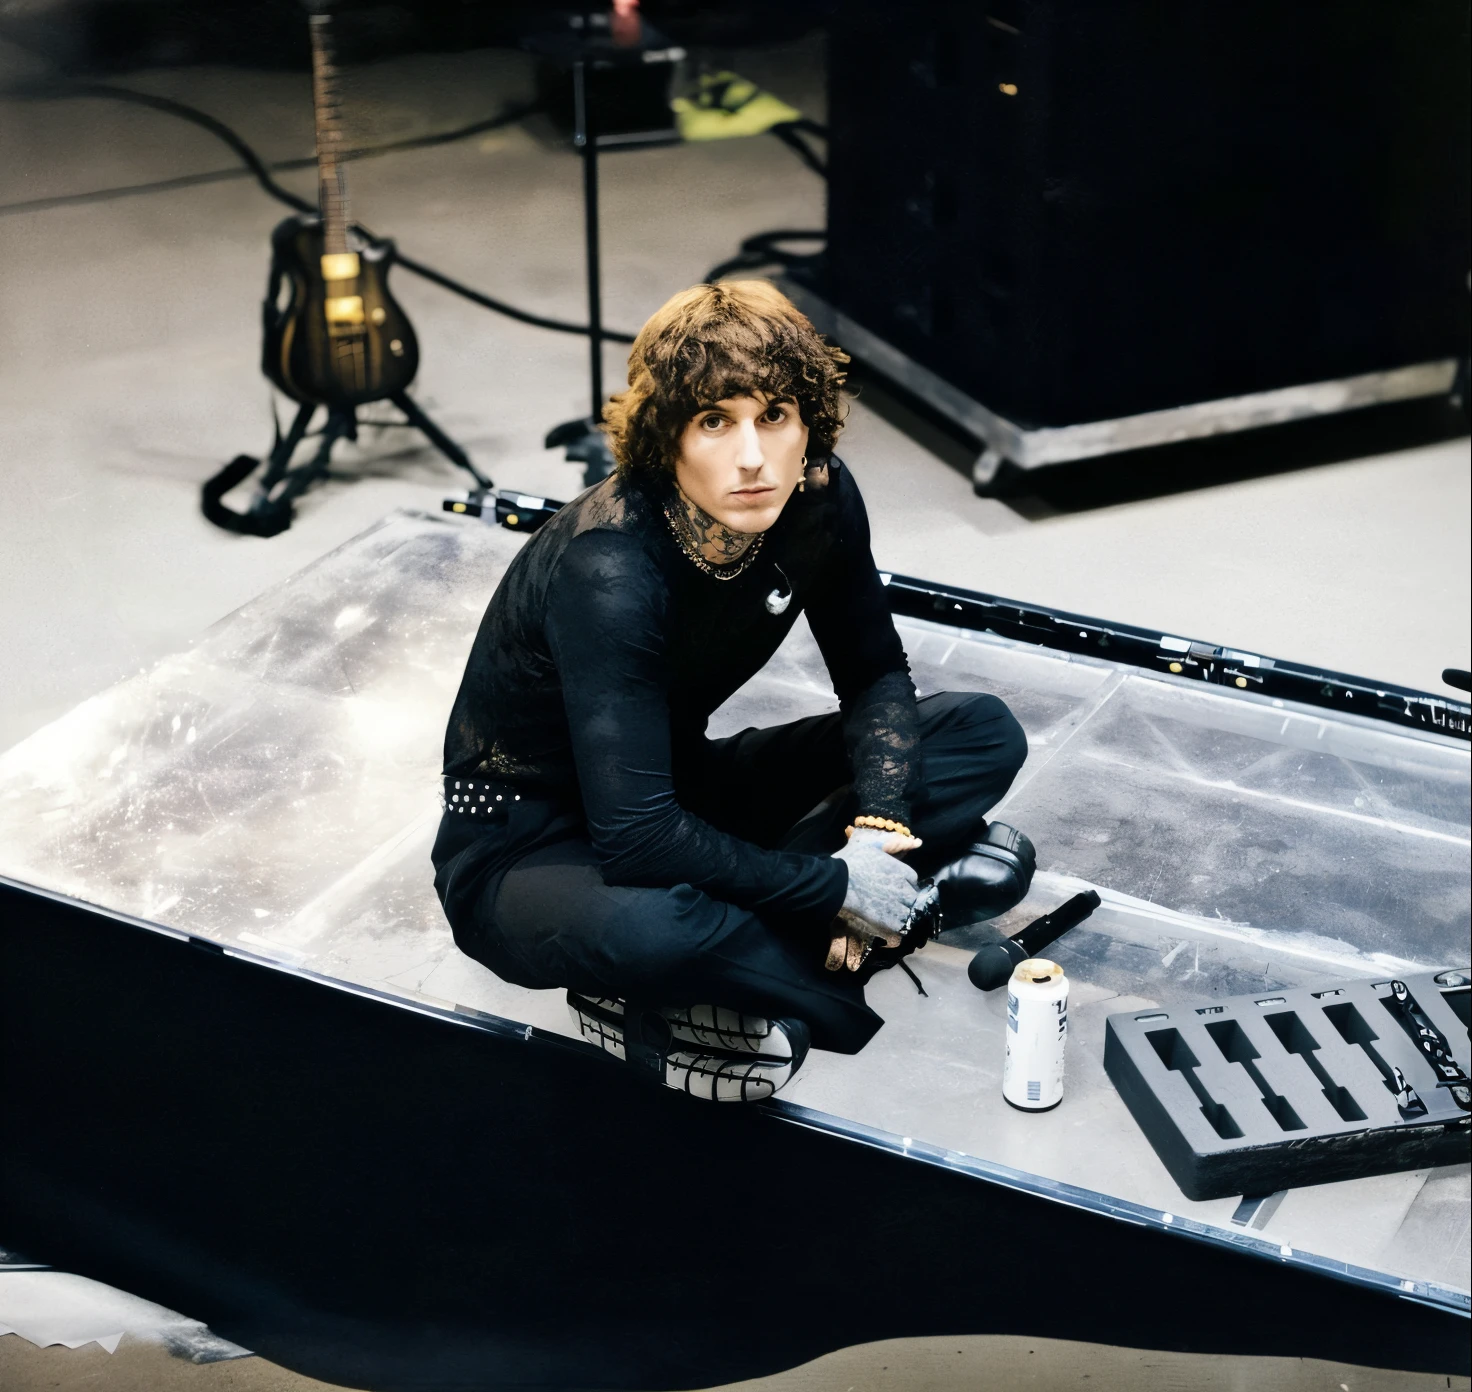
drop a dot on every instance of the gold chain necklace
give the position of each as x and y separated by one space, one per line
726 572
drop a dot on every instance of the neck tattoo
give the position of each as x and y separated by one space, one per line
714 547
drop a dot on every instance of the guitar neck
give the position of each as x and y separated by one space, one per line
332 196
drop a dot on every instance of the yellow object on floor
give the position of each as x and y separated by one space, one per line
725 106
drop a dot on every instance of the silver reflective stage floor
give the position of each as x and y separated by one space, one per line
275 788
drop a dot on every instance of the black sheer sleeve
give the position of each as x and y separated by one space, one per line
605 625
850 618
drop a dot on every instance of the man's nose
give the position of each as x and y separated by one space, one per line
750 456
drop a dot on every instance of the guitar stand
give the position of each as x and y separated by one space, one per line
270 511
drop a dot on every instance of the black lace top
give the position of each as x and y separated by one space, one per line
605 649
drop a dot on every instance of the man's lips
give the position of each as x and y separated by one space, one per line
751 492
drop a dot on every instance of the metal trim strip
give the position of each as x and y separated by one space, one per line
1249 676
1035 448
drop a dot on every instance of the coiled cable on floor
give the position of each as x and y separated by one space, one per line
763 250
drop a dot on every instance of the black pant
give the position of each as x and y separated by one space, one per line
539 914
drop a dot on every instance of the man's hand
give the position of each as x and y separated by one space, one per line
881 893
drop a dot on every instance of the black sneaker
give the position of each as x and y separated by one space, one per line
706 1051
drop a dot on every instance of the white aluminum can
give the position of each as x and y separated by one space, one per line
1037 1030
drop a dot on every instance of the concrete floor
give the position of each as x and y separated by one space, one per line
130 374
973 1364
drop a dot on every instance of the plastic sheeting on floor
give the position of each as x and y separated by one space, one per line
275 788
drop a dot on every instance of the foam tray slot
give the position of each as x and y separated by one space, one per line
1291 1032
1253 1094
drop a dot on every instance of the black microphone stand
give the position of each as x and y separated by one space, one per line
582 439
640 117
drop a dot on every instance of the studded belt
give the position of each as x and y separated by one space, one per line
478 797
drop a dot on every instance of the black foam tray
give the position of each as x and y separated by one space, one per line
1253 1094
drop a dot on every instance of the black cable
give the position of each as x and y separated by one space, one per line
756 251
108 195
788 133
254 165
761 250
764 240
510 311
257 167
252 161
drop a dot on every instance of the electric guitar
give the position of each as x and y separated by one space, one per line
334 335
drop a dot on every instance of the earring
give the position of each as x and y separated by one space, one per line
802 483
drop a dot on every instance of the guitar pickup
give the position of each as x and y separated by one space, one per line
344 311
340 265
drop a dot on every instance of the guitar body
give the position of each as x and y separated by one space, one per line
334 343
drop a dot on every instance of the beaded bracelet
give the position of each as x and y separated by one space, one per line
879 824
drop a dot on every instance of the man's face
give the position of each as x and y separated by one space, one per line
740 459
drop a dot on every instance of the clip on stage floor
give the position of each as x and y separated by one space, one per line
247 1074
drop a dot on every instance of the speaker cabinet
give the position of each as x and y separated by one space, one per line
1081 211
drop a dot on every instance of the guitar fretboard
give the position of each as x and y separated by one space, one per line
332 185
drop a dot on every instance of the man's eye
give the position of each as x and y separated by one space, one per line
711 422
776 414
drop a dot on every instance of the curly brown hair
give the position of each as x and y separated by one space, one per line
711 342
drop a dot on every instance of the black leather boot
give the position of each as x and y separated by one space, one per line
992 876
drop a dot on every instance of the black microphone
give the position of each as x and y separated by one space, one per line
994 963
